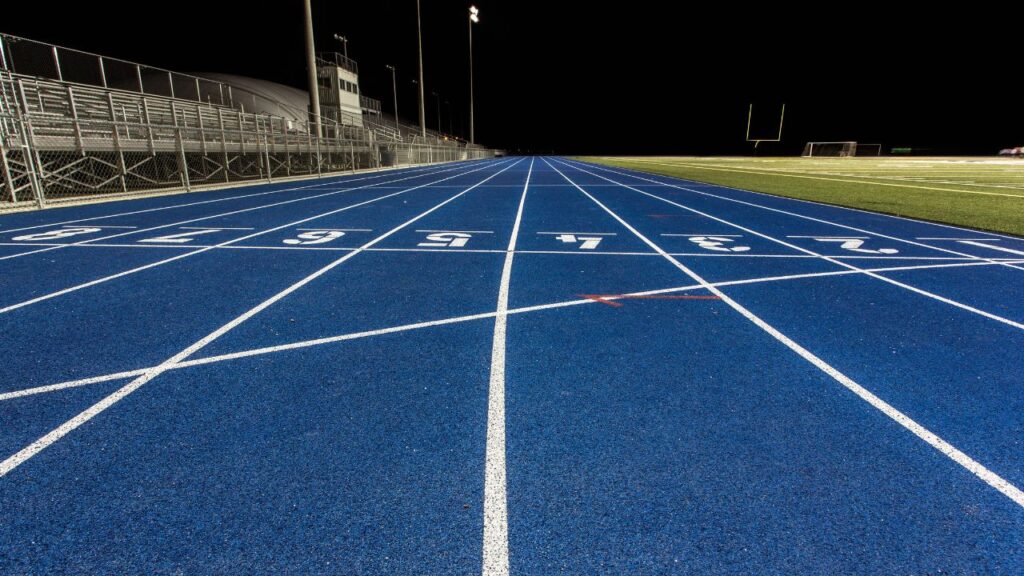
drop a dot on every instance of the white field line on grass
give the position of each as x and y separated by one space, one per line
495 537
231 213
98 408
632 173
198 250
950 451
805 217
333 180
770 172
458 319
835 261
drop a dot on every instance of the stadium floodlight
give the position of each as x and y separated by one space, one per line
474 17
394 93
344 41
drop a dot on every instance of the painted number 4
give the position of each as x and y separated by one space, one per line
586 242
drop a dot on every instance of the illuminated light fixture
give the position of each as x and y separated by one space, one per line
474 14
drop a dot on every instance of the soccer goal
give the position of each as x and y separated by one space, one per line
830 149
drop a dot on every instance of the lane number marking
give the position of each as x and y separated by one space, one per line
55 234
314 237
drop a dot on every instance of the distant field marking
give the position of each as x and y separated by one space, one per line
991 247
763 172
332 180
805 217
885 279
950 451
94 226
633 171
21 456
200 250
458 319
495 512
179 223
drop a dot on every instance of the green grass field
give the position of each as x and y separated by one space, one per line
981 193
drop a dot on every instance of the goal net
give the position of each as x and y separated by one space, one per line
830 149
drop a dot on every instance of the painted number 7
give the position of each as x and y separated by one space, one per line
586 242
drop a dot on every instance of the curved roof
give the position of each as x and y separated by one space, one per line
275 99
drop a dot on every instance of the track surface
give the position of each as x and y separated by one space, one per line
525 366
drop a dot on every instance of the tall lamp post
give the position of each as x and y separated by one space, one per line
314 89
394 92
419 39
474 17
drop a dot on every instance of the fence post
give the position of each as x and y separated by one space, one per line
8 181
117 143
352 155
33 160
182 160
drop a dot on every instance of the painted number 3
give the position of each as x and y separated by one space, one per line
717 244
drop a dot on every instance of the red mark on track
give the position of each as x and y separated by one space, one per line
610 299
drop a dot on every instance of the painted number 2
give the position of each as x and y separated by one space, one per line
854 245
314 237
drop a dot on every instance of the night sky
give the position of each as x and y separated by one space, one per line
613 77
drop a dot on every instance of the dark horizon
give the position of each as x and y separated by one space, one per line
579 79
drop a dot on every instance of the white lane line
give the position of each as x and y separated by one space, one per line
991 247
462 231
577 233
457 319
102 227
331 181
973 466
702 235
216 228
200 219
339 229
98 408
495 539
885 279
833 237
962 238
805 217
124 273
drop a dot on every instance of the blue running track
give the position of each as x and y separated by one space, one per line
513 366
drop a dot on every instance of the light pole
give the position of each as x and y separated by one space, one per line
474 17
314 89
448 105
344 41
419 40
394 92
